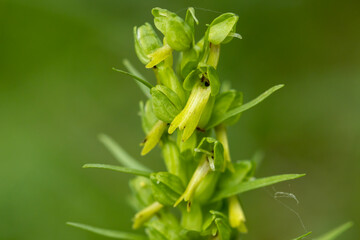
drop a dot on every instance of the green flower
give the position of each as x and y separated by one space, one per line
210 154
236 215
153 137
178 34
222 29
189 117
202 83
146 42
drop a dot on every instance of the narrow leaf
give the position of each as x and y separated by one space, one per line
140 80
118 169
133 71
333 234
250 185
119 153
216 121
302 236
107 232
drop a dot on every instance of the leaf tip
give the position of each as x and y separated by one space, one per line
87 165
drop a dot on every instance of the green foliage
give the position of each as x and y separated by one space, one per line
333 234
107 232
119 153
232 112
117 169
245 186
303 236
186 115
140 80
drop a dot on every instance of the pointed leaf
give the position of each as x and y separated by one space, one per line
140 80
133 71
117 168
302 236
333 234
216 121
254 184
107 232
123 157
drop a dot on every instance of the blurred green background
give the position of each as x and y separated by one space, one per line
58 92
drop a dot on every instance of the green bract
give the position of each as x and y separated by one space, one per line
165 103
166 187
186 115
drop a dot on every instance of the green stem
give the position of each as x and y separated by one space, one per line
214 55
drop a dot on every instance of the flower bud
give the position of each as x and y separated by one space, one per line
146 42
166 187
222 29
177 32
236 215
153 137
165 103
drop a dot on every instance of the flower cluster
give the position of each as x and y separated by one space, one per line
187 114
